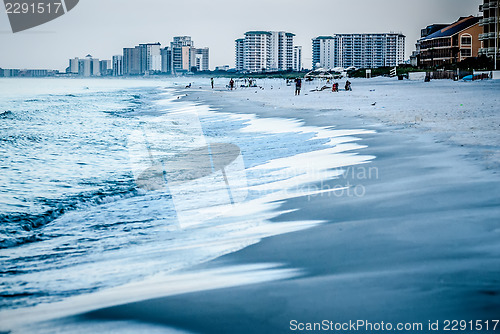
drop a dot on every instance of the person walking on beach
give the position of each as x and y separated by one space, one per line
298 86
231 84
212 82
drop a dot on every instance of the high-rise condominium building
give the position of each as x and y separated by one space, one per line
143 59
182 54
150 57
265 51
240 47
106 67
324 54
73 65
166 60
490 37
358 50
182 57
297 58
281 51
85 67
117 66
131 61
201 61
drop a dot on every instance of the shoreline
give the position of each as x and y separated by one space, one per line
447 110
238 232
419 245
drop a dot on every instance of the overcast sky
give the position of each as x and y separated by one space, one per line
103 27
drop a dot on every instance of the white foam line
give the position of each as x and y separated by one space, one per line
161 285
291 125
253 224
320 192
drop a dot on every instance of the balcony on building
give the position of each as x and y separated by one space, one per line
491 35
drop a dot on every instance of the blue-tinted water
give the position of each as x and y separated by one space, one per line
73 219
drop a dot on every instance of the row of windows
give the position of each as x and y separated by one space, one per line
446 42
445 53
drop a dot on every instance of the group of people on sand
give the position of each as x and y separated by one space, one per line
231 85
298 85
335 86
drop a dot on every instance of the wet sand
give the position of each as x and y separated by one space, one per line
420 245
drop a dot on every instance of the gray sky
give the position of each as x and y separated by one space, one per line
103 27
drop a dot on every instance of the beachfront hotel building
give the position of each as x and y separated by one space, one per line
181 49
89 67
358 50
106 67
451 44
131 61
73 65
182 57
324 52
142 59
490 36
265 51
202 59
240 49
297 58
150 57
86 67
430 29
117 66
166 60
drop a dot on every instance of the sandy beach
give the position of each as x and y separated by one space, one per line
412 238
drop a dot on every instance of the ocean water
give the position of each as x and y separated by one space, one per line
80 214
